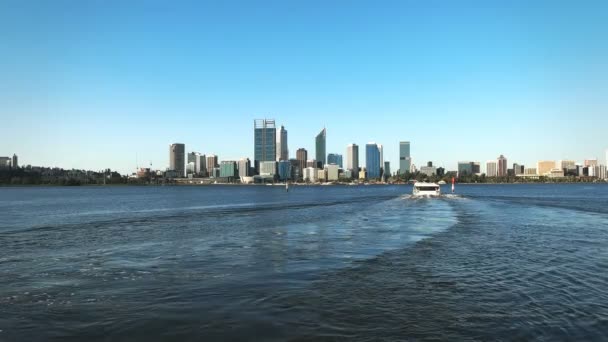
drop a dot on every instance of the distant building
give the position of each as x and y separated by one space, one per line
501 166
268 168
296 171
5 162
381 151
177 159
352 158
491 168
332 172
228 169
302 157
15 163
428 170
440 171
264 142
203 165
543 167
591 162
363 173
311 163
322 175
386 172
429 163
518 169
284 170
465 168
334 158
530 171
556 173
372 160
195 159
476 168
405 160
320 144
212 163
310 174
190 168
282 150
566 165
348 174
244 167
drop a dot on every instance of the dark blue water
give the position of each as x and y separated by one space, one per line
498 262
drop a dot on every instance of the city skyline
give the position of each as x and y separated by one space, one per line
82 94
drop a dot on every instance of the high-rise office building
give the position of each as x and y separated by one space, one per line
5 162
177 159
311 163
195 158
203 165
265 134
501 164
591 162
228 169
544 167
518 169
15 163
492 168
566 165
387 169
301 157
268 168
284 170
465 168
244 167
282 149
381 150
372 160
212 163
476 168
320 143
405 160
296 171
332 172
334 158
352 158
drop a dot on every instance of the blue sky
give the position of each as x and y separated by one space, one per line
93 84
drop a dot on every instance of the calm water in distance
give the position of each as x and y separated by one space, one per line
496 262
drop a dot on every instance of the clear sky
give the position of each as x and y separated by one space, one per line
95 84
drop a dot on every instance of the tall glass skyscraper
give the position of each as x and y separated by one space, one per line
405 160
177 159
265 145
372 160
320 142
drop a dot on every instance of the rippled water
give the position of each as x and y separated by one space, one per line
496 262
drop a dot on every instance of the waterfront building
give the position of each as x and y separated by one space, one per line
387 169
405 160
310 174
244 167
322 175
491 168
440 171
177 159
348 174
352 158
530 171
334 158
381 151
212 163
215 172
5 162
501 164
476 168
518 169
228 169
190 168
372 160
15 163
195 159
544 166
296 171
602 172
332 172
268 168
556 173
428 170
203 165
591 162
566 165
465 168
311 163
264 142
320 144
363 174
282 150
284 170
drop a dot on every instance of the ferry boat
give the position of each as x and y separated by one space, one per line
426 189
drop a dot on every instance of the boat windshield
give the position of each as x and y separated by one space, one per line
428 188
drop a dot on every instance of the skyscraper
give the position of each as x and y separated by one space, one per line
282 149
381 150
334 158
320 143
212 163
244 167
265 134
15 163
195 157
352 159
502 166
492 168
301 157
405 161
372 160
387 169
177 159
